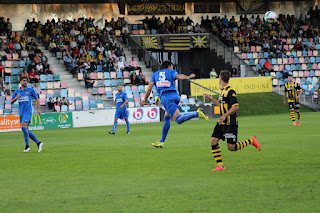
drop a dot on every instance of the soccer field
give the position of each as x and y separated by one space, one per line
88 170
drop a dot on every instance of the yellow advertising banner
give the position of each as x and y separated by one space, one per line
240 85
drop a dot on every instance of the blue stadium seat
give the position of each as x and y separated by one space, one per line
114 82
64 93
107 83
43 86
296 60
266 55
43 78
22 63
106 75
64 108
312 59
119 75
50 77
109 94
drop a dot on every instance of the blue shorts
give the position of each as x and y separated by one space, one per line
170 101
25 118
121 113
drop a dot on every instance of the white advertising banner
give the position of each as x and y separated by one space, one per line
106 117
142 115
93 118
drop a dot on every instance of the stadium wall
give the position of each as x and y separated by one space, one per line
80 119
19 13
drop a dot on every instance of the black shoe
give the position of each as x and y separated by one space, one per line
40 144
112 133
27 149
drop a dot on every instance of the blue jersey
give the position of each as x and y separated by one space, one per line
164 80
120 99
25 101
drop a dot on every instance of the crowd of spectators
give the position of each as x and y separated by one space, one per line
253 31
172 25
83 46
51 103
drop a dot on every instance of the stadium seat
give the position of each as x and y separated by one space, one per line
80 76
101 90
113 75
95 91
106 75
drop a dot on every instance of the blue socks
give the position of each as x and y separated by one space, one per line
165 128
128 126
25 135
115 126
186 116
33 137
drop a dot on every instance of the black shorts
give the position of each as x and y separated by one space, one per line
229 132
294 105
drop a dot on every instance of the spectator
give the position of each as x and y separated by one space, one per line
37 89
110 66
65 102
25 74
213 73
39 68
46 68
151 101
285 73
3 70
311 45
57 102
3 92
88 82
33 76
134 79
234 72
121 66
134 65
142 78
24 54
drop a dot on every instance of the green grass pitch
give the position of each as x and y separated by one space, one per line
88 170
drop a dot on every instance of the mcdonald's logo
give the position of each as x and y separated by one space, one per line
35 119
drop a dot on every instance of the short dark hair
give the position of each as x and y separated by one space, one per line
166 64
290 75
225 76
22 78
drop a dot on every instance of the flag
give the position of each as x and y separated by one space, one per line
149 42
199 41
176 43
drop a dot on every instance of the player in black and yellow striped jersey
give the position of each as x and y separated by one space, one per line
227 126
292 89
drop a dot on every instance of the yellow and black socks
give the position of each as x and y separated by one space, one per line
216 151
298 116
242 144
292 116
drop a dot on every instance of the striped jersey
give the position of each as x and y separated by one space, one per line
228 99
291 89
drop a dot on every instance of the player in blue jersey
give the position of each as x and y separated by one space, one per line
121 112
25 95
170 99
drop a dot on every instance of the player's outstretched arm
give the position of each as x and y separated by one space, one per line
143 102
185 77
214 101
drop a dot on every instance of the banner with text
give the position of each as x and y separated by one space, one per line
142 115
51 121
9 123
156 9
240 85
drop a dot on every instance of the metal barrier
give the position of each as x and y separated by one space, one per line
203 90
230 54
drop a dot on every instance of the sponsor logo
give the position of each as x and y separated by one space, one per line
49 120
229 135
138 114
152 113
185 108
7 122
35 119
63 118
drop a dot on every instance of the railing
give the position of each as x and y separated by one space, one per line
234 58
143 54
209 91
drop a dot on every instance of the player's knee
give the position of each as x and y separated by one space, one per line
214 141
232 147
